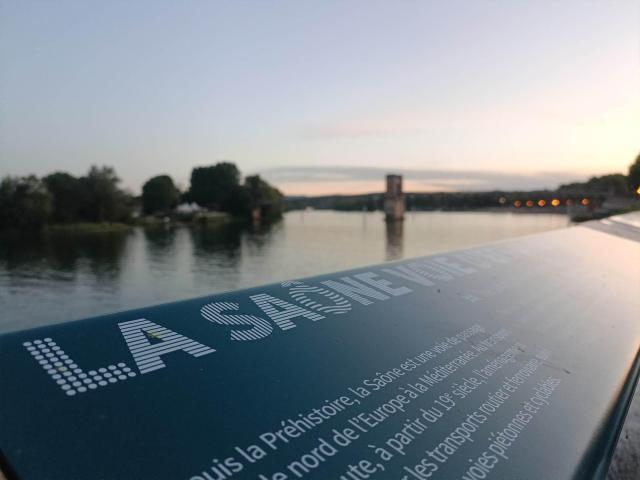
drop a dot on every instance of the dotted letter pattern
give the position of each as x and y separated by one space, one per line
66 373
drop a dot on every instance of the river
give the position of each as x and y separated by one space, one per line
52 278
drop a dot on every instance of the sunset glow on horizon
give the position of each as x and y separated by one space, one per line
323 97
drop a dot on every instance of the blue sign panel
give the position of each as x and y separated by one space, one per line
515 360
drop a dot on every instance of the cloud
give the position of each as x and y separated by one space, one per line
331 179
358 130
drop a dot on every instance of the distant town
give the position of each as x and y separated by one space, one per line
219 193
595 198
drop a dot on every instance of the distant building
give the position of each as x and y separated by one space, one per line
394 199
186 208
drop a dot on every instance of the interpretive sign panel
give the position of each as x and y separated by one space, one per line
514 360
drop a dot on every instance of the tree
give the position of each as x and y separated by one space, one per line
159 194
215 186
67 196
262 198
634 175
258 191
612 184
103 200
25 203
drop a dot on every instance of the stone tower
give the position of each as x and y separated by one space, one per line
394 199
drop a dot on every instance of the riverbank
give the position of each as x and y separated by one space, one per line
205 219
198 218
87 227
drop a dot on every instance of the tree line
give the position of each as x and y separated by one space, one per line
216 187
29 202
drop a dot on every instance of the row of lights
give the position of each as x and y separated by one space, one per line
542 203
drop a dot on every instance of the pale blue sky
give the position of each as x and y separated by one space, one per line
322 96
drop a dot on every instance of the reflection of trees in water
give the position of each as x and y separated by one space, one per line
63 254
164 248
217 239
183 260
259 235
160 240
225 246
216 256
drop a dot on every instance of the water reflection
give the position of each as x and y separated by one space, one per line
58 277
395 237
216 252
160 238
260 235
62 256
217 240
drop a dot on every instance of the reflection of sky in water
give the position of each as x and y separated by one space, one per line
62 277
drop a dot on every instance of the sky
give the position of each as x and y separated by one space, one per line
323 97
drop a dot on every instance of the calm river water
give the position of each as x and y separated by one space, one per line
57 277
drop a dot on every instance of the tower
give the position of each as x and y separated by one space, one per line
394 199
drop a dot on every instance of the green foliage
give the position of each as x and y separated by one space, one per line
634 175
103 200
25 203
87 228
67 195
613 184
61 198
237 201
262 197
28 202
215 186
159 194
218 187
